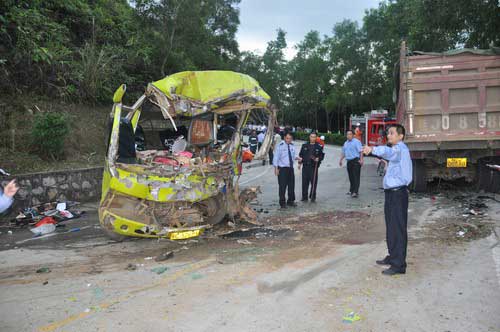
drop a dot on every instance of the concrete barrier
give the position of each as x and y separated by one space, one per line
83 185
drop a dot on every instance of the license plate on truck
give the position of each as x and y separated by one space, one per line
456 162
184 234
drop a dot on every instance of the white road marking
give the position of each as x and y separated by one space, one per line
49 235
256 177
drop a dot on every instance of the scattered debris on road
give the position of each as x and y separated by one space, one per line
351 317
58 211
131 267
196 276
159 269
164 256
466 221
43 270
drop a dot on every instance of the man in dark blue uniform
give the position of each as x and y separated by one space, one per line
310 157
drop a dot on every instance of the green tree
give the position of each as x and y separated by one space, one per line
310 79
48 135
274 74
270 70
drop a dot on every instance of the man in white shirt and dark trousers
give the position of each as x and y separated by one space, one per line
283 168
353 152
396 180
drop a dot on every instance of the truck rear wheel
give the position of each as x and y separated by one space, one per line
419 183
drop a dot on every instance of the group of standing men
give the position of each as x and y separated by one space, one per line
396 181
310 156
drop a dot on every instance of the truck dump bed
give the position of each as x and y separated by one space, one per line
450 101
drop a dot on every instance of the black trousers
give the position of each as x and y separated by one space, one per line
396 219
309 178
286 180
354 172
253 148
271 155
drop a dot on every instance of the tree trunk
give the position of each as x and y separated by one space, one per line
327 121
316 119
345 120
338 120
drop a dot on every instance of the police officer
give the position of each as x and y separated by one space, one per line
353 152
310 157
283 168
396 181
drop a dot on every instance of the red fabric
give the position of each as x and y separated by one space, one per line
166 161
46 220
247 156
320 142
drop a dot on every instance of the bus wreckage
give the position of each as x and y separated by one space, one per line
174 157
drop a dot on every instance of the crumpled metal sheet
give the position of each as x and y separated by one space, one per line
266 144
196 92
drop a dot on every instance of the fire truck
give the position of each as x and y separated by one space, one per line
373 126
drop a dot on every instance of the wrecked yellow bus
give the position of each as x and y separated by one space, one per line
174 157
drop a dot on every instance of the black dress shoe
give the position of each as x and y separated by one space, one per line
282 206
384 261
292 204
313 200
303 200
391 271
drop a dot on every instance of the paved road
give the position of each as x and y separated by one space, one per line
333 183
307 277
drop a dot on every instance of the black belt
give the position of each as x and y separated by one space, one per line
397 188
354 159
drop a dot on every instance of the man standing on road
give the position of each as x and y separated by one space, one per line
396 181
283 168
310 157
353 152
260 138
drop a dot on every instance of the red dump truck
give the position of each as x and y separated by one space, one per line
449 104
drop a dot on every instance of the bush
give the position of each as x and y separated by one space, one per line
48 135
330 138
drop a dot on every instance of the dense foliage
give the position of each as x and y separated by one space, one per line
49 133
80 51
330 138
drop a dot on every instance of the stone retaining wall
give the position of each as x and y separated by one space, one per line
82 185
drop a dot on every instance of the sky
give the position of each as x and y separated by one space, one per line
259 19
